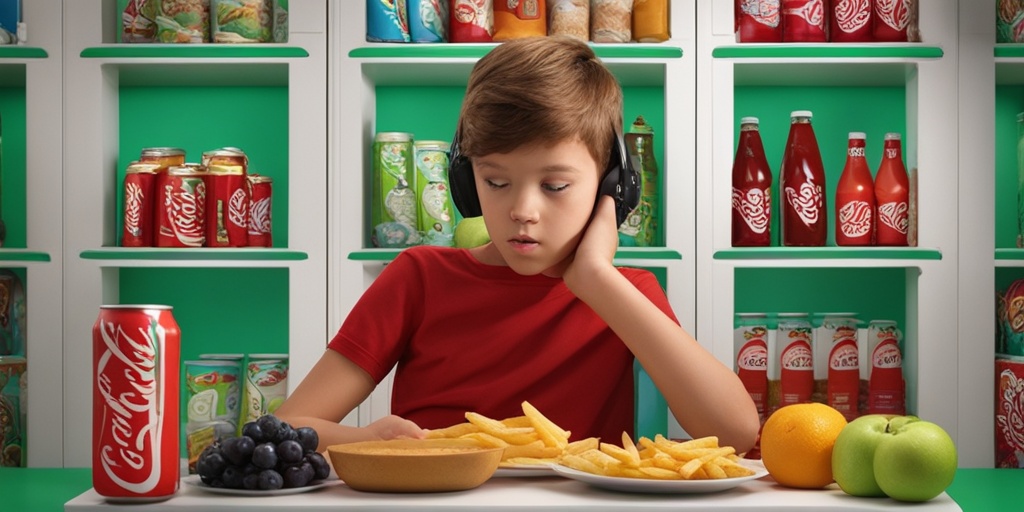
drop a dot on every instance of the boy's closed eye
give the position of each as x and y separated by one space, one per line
550 187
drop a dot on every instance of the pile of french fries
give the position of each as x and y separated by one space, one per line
532 440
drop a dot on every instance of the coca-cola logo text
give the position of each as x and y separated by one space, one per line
133 209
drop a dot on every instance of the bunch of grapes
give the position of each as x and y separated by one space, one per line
269 455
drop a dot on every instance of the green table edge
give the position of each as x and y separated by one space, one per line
476 51
197 254
828 253
192 51
832 50
22 52
23 255
628 253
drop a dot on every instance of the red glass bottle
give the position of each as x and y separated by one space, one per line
802 187
759 21
850 21
892 195
855 197
751 189
804 21
891 19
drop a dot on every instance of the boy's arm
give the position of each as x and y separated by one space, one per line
333 388
705 396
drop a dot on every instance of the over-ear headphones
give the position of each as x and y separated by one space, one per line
621 180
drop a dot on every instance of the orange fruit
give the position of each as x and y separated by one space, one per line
796 444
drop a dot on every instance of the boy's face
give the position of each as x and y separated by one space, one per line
536 202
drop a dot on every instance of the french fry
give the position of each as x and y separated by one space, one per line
579 463
534 450
622 455
577 447
511 435
551 434
517 422
457 430
660 473
692 466
627 444
530 461
486 439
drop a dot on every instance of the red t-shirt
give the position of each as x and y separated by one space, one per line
473 337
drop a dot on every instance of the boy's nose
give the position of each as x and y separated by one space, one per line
524 209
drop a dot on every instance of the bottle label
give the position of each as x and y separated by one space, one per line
894 13
765 12
813 12
754 207
855 219
851 16
806 203
856 152
892 153
894 215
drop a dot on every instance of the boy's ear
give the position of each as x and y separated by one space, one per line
461 181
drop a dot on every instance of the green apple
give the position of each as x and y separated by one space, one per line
902 457
471 232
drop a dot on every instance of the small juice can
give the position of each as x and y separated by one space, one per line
428 21
213 393
794 342
227 198
260 223
750 344
13 430
836 362
181 203
393 210
387 21
139 204
435 218
886 387
266 384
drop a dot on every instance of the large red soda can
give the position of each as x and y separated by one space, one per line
802 187
135 427
259 211
227 198
181 207
804 21
851 21
891 20
139 189
751 189
759 21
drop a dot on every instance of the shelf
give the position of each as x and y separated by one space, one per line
828 253
1009 257
193 51
23 255
155 256
22 52
476 51
827 51
626 253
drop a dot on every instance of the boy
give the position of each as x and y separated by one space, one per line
539 313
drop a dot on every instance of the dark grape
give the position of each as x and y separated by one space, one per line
289 452
285 432
232 451
265 456
308 438
253 431
294 476
321 469
206 480
270 480
251 469
232 477
245 446
269 424
211 464
251 481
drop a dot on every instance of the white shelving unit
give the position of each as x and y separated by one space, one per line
360 67
94 69
935 368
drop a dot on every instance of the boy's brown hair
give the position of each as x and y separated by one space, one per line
540 89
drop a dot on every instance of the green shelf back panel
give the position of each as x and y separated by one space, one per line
839 51
432 113
197 119
193 51
475 51
1009 102
218 310
837 112
22 52
13 165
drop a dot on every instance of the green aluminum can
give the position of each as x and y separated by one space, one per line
393 210
436 217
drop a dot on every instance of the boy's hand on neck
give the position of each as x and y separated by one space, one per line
595 252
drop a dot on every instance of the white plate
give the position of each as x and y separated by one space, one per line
522 470
194 481
662 486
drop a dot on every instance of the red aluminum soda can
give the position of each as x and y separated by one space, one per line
135 417
181 207
259 211
164 156
892 17
759 21
227 198
804 21
137 221
851 21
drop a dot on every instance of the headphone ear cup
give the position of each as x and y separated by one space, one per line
462 183
621 180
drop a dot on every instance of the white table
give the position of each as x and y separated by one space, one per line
535 494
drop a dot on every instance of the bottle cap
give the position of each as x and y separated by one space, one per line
858 135
801 113
892 136
749 120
